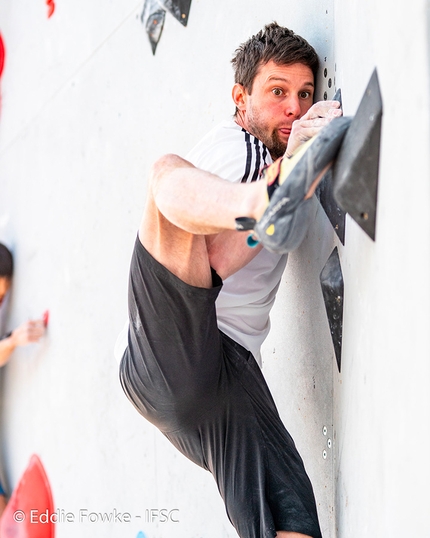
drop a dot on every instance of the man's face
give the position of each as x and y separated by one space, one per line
4 287
280 95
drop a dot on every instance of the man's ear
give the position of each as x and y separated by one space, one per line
239 95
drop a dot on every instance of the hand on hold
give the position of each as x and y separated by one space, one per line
319 115
28 333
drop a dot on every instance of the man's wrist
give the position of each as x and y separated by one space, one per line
7 335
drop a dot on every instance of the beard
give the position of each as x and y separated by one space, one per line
269 137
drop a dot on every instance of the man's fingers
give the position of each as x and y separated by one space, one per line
319 115
312 123
323 113
36 329
306 129
323 109
30 331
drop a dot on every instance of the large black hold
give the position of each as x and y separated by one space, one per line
355 172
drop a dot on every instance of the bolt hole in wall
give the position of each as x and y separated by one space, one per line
330 80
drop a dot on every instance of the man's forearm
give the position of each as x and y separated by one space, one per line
7 346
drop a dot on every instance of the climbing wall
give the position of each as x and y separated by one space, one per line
91 94
379 432
86 108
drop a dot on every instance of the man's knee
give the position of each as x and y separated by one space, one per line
163 166
287 534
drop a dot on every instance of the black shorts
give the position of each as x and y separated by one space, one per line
208 396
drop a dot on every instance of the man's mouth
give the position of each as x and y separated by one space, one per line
285 131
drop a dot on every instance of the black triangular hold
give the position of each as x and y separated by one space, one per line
180 9
338 96
355 172
152 17
332 288
335 214
324 193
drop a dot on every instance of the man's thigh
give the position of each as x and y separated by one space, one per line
174 348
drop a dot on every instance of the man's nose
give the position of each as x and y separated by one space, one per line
292 107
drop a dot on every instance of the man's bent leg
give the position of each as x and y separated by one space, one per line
170 368
285 534
174 372
186 204
211 401
184 254
3 503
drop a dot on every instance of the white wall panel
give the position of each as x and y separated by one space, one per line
382 398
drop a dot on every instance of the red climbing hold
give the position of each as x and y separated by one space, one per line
2 55
29 512
51 7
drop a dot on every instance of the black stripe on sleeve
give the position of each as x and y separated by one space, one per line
256 152
264 155
248 156
257 160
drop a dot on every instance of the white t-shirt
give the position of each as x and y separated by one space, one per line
246 298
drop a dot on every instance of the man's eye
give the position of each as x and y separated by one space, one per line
305 95
277 91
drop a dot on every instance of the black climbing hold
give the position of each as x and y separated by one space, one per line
338 96
180 9
154 14
335 214
324 193
152 17
355 172
331 279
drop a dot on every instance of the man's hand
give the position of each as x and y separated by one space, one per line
319 115
29 332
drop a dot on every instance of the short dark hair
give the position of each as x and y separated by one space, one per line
6 262
275 43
